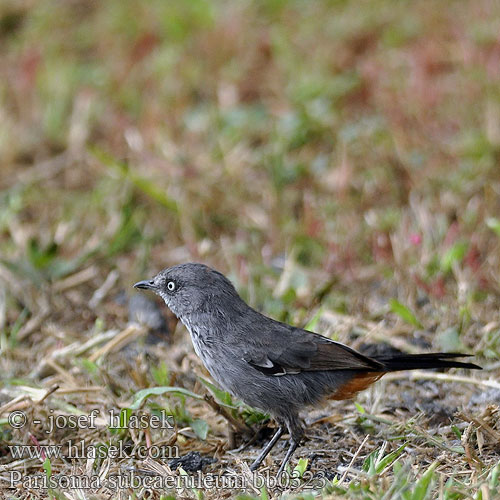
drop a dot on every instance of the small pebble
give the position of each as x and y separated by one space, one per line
191 462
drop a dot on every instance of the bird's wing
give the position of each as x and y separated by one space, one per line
299 350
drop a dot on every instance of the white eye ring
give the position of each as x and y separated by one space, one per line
170 286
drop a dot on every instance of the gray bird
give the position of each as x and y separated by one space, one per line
270 365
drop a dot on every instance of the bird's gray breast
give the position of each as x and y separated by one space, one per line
200 342
208 350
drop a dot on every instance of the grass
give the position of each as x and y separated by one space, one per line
337 160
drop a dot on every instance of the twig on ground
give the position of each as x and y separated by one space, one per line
50 391
444 377
121 340
104 289
353 459
76 279
239 426
480 423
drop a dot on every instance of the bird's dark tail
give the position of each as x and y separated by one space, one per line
397 362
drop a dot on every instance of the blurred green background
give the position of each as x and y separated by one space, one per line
359 142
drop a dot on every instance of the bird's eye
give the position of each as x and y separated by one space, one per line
171 286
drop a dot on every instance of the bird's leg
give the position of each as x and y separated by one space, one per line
293 446
296 431
269 446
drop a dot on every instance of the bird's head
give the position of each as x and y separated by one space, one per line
190 288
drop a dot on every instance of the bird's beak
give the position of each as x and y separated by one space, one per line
146 285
